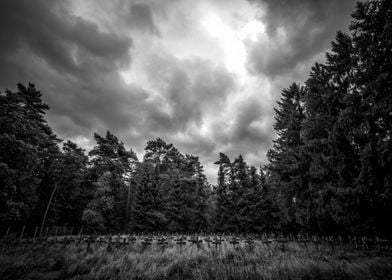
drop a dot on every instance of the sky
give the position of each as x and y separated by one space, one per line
204 75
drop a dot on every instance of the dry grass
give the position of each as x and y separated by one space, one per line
189 262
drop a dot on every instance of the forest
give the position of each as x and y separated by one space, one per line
329 170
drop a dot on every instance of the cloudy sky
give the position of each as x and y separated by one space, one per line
203 75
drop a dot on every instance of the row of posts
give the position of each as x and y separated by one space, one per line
57 230
216 241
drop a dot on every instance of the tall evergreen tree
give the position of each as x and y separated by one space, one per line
338 180
149 212
372 105
110 168
74 191
252 202
28 151
238 189
201 209
172 190
222 192
287 163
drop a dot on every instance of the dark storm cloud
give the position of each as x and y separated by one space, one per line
130 15
250 133
246 126
60 39
297 30
189 88
142 17
71 61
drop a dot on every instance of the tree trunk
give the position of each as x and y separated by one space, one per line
128 205
47 209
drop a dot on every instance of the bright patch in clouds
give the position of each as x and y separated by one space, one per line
253 30
231 39
234 50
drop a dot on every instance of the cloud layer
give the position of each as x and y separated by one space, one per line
297 31
203 75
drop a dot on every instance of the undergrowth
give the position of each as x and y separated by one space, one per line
190 262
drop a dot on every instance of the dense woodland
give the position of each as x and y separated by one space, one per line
329 170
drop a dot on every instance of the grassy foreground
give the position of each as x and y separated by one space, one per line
261 262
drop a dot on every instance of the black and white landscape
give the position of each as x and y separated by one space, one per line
188 139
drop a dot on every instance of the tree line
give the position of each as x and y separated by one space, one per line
331 166
329 169
106 190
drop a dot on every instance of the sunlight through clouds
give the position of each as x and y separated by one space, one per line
231 39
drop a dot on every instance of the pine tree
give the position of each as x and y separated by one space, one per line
111 167
287 163
372 105
100 211
269 211
236 194
175 193
222 192
193 175
74 192
252 215
28 154
149 210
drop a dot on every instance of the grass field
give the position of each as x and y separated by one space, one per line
136 261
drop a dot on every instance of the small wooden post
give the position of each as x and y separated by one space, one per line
109 246
7 232
316 242
340 241
79 238
378 243
162 242
364 243
180 241
282 241
80 234
217 242
132 239
234 241
65 241
21 234
250 243
332 242
88 248
125 241
208 240
35 234
47 208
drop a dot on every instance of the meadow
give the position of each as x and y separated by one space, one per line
191 257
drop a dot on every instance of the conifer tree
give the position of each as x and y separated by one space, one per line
222 192
74 191
287 164
372 105
149 212
110 168
28 154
